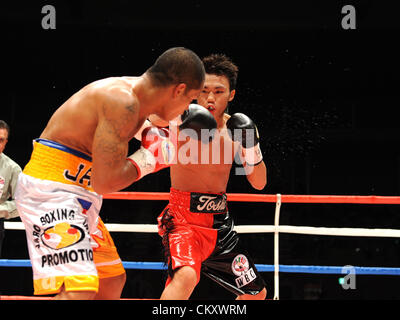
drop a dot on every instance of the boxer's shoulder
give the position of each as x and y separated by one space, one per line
112 91
114 98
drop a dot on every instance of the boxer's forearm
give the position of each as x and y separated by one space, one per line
114 180
111 171
257 175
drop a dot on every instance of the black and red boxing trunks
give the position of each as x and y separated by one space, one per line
197 231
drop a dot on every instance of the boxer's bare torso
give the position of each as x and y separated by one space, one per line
101 119
75 123
213 177
207 177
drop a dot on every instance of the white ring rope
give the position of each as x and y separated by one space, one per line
152 228
276 229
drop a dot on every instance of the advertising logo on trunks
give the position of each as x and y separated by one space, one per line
62 235
241 268
240 265
59 231
207 203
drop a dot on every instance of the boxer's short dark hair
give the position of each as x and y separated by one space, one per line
178 65
220 65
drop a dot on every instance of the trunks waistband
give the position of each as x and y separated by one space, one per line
61 147
199 202
55 162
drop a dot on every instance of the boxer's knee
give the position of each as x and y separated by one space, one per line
75 295
182 284
111 288
186 276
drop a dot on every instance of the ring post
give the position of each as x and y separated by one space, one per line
276 246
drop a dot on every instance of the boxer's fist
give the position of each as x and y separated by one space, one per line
242 129
239 121
197 117
156 152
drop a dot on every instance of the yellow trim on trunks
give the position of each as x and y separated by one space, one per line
48 163
53 285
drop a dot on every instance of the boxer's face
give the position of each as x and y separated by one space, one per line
3 139
216 94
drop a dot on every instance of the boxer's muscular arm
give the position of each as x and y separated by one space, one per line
111 172
258 176
252 159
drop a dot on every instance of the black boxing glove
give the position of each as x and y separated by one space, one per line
197 118
242 129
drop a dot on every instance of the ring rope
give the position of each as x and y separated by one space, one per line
247 197
278 199
260 267
351 232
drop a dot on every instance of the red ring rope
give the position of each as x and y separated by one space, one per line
288 198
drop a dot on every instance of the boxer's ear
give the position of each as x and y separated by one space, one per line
179 90
232 95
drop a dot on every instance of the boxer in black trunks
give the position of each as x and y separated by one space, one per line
196 228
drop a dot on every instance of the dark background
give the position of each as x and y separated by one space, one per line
325 101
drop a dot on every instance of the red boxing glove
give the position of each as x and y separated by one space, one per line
156 152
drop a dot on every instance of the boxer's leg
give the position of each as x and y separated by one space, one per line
111 288
188 239
230 265
57 238
184 262
74 295
182 284
112 276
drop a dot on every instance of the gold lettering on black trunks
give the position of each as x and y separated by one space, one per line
207 203
83 173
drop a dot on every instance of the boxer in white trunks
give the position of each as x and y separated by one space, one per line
82 154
